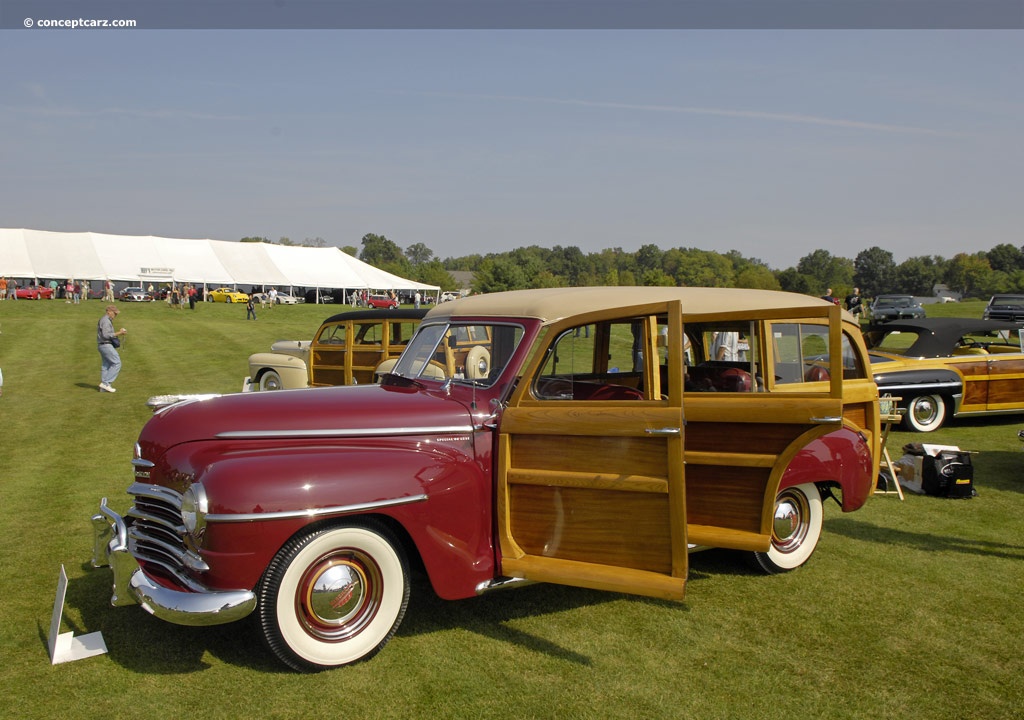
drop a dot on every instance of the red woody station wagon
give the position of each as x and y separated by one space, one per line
586 436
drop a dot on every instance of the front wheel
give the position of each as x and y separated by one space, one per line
796 528
334 596
270 380
925 413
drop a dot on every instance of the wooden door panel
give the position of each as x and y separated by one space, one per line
591 492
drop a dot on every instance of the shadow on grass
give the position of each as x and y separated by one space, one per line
143 644
928 542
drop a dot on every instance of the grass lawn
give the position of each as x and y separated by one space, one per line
907 610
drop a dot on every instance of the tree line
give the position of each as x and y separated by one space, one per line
874 270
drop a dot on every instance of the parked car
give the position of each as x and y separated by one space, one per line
381 301
34 292
1005 307
448 296
348 349
227 295
135 294
886 308
948 367
280 298
528 436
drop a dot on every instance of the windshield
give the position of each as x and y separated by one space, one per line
1008 300
471 353
899 302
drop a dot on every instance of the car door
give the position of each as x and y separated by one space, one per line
591 485
330 356
749 416
1005 372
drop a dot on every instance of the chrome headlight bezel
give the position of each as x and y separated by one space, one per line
194 509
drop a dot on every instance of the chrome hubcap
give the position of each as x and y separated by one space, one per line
789 527
925 410
338 596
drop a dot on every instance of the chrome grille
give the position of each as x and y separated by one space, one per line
156 535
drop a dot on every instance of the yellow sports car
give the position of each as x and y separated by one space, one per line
223 294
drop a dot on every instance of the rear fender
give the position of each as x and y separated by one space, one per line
841 457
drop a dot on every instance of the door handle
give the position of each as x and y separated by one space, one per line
828 419
663 431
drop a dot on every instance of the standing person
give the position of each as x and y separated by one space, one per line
191 297
86 287
3 288
726 346
250 309
417 299
12 289
108 291
853 302
107 342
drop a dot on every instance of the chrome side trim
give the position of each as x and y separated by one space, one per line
895 386
315 512
343 432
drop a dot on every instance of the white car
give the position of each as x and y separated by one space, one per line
282 298
446 296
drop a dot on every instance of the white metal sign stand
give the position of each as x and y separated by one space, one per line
65 647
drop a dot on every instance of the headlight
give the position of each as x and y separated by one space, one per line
194 507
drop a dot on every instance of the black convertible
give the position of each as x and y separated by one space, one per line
943 367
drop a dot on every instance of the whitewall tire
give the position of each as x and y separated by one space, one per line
795 531
334 596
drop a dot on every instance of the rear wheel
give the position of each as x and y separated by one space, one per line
925 413
270 380
334 596
796 528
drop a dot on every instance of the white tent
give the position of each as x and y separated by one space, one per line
95 256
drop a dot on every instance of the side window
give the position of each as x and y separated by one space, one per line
723 357
369 334
599 361
333 335
801 352
853 366
401 332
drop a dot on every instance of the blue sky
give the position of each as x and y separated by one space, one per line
771 143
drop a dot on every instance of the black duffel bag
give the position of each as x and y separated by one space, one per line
948 474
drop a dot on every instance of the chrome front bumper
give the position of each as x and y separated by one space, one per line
132 586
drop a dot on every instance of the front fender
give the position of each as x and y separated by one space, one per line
293 370
259 498
944 381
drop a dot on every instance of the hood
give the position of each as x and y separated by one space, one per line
315 412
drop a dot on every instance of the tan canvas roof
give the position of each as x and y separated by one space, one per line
551 304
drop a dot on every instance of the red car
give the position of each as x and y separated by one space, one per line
381 301
526 436
34 292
